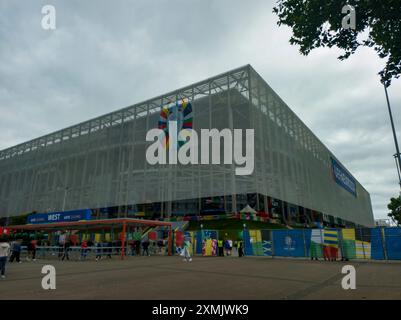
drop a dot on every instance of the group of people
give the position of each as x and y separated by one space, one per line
12 251
328 253
106 249
225 247
136 247
100 248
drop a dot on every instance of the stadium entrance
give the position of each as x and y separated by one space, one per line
78 232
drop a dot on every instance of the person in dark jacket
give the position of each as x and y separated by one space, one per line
109 249
132 245
145 247
67 246
99 251
138 247
240 249
15 251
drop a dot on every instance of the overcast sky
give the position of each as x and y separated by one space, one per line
105 55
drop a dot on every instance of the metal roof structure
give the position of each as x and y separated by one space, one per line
101 163
124 224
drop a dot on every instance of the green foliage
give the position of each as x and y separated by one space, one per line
317 23
395 207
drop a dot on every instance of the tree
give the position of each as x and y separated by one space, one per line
395 207
318 23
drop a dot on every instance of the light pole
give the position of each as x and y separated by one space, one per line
397 156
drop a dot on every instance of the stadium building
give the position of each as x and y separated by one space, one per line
100 164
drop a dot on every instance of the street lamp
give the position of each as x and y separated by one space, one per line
397 156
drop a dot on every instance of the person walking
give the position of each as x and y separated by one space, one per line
159 246
240 249
90 246
28 245
32 245
67 246
132 246
226 247
152 248
4 252
61 244
230 247
145 247
138 247
109 249
235 248
15 251
98 251
187 246
84 249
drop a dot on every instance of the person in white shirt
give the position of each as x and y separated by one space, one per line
230 247
4 252
186 249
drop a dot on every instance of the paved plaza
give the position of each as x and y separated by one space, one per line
230 278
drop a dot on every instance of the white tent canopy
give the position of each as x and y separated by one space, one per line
248 209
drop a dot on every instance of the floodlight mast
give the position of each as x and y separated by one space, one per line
397 156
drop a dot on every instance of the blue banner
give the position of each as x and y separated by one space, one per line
267 244
393 243
248 250
54 217
377 245
291 243
343 178
199 240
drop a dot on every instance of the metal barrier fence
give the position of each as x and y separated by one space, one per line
328 244
90 253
